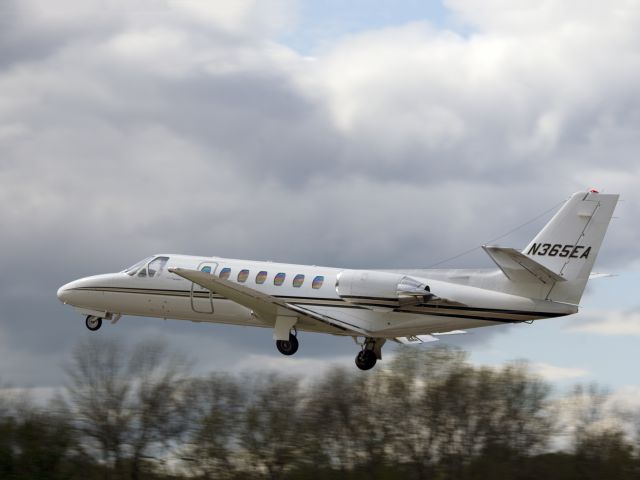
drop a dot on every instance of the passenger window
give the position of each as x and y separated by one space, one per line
298 280
279 279
206 269
243 275
261 277
224 273
317 282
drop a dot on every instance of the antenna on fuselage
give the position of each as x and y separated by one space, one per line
513 230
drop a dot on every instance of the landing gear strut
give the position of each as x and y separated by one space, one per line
93 323
288 347
371 352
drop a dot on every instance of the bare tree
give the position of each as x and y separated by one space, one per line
160 403
130 405
35 441
367 422
605 453
453 412
336 421
271 429
99 391
217 403
417 390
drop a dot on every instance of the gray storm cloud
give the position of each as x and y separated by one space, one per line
187 126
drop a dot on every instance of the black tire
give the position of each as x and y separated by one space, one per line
287 347
93 323
366 360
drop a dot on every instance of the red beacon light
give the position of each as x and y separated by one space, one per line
594 190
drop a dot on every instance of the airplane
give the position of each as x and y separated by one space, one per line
409 306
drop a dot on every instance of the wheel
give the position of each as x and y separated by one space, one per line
287 347
366 360
93 323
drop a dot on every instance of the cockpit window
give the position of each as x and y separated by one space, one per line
153 269
132 270
156 266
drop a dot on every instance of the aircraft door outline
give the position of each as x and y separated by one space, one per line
199 303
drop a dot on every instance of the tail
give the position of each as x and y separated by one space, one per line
568 245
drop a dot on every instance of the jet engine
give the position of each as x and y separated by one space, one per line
382 288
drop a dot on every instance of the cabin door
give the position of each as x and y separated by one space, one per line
201 298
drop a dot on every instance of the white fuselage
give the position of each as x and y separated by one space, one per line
545 280
478 302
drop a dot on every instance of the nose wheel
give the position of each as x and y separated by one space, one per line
288 347
93 323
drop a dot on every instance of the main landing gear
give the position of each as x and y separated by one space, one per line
288 347
371 352
366 360
93 322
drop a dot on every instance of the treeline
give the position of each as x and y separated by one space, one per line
139 413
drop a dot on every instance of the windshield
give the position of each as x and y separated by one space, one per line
134 268
147 268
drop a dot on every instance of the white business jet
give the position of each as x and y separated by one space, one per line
544 280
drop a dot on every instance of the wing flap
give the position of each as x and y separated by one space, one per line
517 267
264 305
418 339
331 320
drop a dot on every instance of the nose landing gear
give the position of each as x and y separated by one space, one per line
93 322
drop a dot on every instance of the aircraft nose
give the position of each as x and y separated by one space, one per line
63 293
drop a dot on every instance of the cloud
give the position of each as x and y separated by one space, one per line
556 373
128 128
625 399
610 323
496 101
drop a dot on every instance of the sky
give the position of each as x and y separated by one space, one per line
356 134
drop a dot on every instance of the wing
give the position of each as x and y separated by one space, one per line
266 306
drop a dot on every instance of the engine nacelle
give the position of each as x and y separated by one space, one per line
383 288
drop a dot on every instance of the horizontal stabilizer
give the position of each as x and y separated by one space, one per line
593 275
519 268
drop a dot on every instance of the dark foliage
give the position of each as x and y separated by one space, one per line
138 414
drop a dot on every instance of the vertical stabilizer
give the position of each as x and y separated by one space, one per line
568 245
